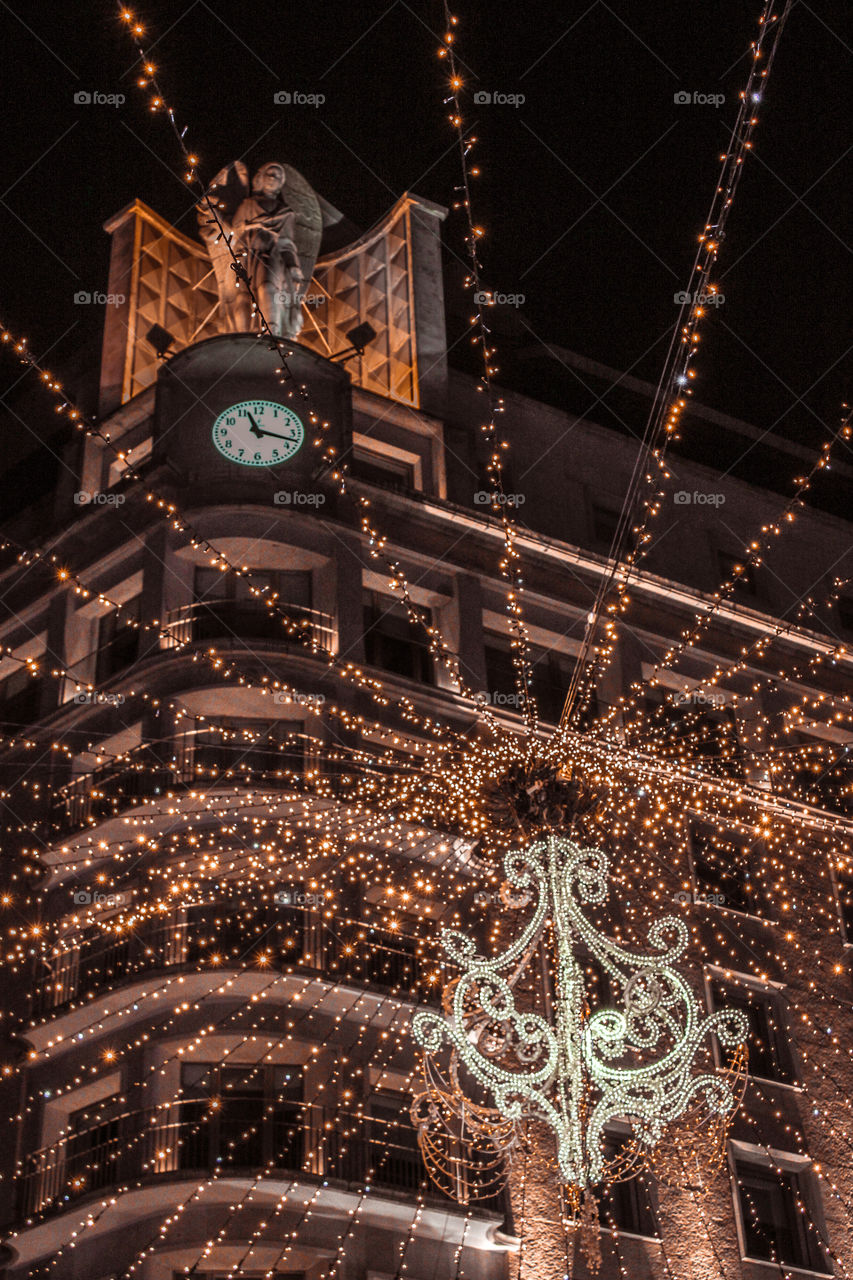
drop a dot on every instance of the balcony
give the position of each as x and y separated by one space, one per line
228 620
191 759
237 620
212 935
241 1136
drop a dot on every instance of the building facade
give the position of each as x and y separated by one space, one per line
211 1065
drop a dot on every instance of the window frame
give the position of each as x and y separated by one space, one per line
797 1169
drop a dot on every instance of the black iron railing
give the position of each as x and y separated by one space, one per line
212 935
195 758
238 1135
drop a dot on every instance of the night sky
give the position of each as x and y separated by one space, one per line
592 190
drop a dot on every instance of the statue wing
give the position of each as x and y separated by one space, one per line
226 191
303 200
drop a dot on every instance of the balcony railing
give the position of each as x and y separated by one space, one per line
224 620
212 935
248 620
242 1135
195 758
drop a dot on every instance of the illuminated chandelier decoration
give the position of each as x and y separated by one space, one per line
573 1070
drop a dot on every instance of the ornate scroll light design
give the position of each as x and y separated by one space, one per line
575 1071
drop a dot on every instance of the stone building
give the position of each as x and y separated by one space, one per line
163 1065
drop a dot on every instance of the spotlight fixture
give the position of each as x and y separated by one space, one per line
359 338
161 340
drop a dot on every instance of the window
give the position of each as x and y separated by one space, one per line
94 1146
381 468
777 1226
767 1037
626 1205
20 698
722 869
551 676
243 1116
393 1151
700 733
119 637
393 641
745 580
818 771
249 749
844 890
226 606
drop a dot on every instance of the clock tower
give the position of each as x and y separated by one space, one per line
227 410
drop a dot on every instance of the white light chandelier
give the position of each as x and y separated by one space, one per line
579 1072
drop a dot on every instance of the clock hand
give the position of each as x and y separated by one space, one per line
259 431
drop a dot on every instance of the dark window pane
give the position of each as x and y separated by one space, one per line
774 1227
119 640
769 1052
722 863
627 1205
394 642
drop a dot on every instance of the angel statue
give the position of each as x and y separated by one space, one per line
275 232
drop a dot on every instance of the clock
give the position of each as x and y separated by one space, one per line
258 433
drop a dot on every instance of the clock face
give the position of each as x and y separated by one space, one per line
258 433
